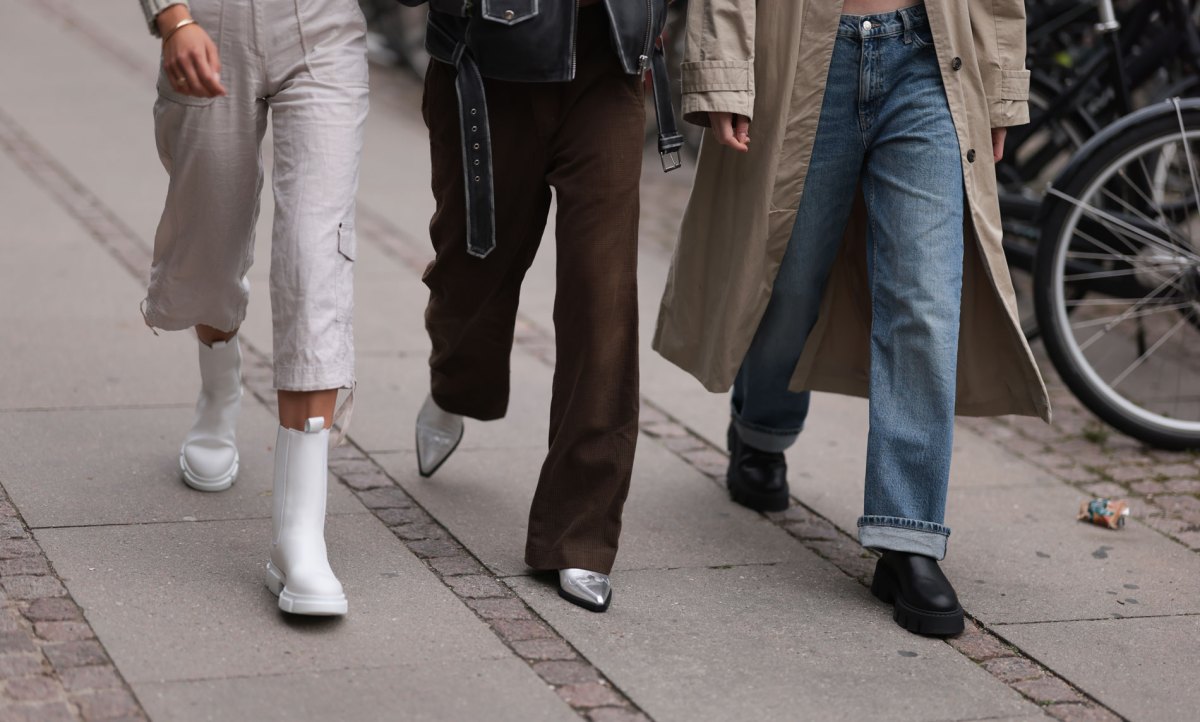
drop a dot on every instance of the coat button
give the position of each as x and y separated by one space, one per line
956 63
971 156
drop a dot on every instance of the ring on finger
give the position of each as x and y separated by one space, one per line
182 80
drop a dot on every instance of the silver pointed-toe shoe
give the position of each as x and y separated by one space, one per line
590 590
438 434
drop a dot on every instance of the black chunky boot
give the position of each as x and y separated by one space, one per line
756 479
925 602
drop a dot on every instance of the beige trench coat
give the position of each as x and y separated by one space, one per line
769 60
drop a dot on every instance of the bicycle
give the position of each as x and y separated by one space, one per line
1148 50
1122 224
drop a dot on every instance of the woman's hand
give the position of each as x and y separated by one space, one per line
998 136
731 130
190 57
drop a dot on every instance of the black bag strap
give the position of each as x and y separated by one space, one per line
670 140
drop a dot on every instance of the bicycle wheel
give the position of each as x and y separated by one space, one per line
1122 222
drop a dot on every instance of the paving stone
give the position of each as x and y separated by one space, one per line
1047 689
418 532
566 672
1013 669
394 516
518 630
435 548
20 665
978 645
106 704
24 565
477 586
16 642
32 587
43 712
385 498
1107 489
12 529
544 649
1183 486
767 627
500 608
15 548
456 565
1177 471
74 654
40 688
53 609
589 694
63 631
616 714
75 679
1148 488
1129 474
1068 712
361 481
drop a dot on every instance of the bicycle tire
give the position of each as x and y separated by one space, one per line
1107 150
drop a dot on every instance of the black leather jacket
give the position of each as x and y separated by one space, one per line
533 41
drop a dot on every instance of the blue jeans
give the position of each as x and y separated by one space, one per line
885 123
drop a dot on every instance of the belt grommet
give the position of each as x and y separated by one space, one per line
476 161
473 111
476 179
476 146
474 128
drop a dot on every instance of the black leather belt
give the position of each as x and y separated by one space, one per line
477 139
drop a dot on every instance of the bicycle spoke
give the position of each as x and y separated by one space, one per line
1131 310
1106 218
1187 150
1094 275
1131 260
1150 351
1141 314
1134 210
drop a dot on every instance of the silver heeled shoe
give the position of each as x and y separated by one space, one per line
590 590
438 435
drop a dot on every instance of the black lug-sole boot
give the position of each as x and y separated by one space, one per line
756 479
924 601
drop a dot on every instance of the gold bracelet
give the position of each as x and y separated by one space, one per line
178 26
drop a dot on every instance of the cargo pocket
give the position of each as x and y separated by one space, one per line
166 92
347 250
509 12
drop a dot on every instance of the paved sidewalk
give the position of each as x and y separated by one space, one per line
126 595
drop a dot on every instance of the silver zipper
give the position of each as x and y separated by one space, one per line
574 31
644 58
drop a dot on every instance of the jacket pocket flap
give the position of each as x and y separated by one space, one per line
509 12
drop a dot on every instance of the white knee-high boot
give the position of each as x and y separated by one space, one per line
298 571
209 455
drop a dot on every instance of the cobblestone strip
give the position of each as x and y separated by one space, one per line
1163 487
52 668
1006 662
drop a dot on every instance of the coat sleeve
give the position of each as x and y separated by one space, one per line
999 30
718 59
153 7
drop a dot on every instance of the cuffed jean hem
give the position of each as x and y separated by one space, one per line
763 438
903 535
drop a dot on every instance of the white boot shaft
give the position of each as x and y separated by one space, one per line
299 570
208 457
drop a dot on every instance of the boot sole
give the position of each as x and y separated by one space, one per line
917 621
199 483
757 500
306 604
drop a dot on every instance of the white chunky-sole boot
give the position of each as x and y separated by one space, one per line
298 571
208 458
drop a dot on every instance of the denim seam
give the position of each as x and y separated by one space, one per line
765 430
899 523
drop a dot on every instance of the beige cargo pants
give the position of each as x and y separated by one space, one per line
304 62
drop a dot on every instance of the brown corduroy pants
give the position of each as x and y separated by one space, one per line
583 139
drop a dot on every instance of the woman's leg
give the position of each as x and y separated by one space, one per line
914 192
297 407
767 416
